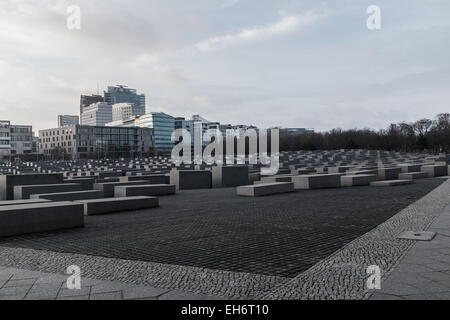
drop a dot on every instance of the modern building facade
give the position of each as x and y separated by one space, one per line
97 114
163 126
122 94
96 142
15 140
68 121
87 100
5 139
124 111
21 140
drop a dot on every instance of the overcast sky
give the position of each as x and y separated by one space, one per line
269 63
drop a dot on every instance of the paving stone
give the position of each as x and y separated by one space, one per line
64 292
137 292
107 296
85 297
20 282
14 293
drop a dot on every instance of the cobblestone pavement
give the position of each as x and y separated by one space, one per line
280 236
343 274
17 284
424 272
340 275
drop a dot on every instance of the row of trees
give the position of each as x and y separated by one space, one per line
424 135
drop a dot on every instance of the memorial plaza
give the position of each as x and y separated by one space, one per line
144 228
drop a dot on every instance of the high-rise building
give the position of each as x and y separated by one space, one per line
122 94
97 114
86 101
124 111
94 142
68 121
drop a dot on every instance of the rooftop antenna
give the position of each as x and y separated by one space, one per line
98 89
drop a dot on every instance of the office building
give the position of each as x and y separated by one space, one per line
68 121
122 94
86 101
21 140
124 111
15 140
97 114
96 142
5 139
163 126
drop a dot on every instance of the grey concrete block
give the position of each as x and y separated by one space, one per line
435 170
391 183
108 187
39 217
190 179
86 183
265 189
70 196
389 173
229 176
319 181
406 168
357 180
7 182
24 192
112 205
412 175
151 179
145 190
17 202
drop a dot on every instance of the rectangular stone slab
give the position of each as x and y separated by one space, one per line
70 196
357 180
145 190
412 175
24 192
39 217
435 171
229 176
108 187
319 181
17 202
389 173
391 183
112 205
265 189
191 179
7 182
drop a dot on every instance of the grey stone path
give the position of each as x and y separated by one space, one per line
18 284
424 272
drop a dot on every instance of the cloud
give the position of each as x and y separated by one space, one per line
285 25
229 3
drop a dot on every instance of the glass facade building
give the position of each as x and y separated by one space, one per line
163 126
122 94
95 142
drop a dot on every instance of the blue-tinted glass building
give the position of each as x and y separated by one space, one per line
122 94
163 126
